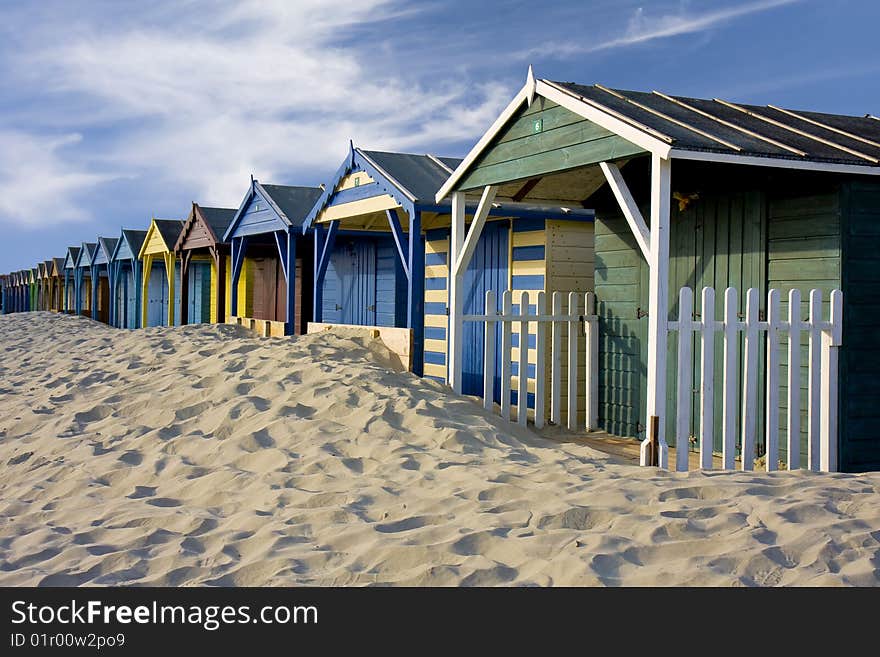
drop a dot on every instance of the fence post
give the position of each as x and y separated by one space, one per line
489 354
728 399
814 391
506 321
522 393
707 379
793 412
831 340
591 362
540 365
750 380
556 361
771 455
572 360
685 375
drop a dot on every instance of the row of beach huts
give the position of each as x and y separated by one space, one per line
466 269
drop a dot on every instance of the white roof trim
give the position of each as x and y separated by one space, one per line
779 163
487 137
634 132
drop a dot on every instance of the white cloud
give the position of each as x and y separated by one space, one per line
37 183
274 88
643 28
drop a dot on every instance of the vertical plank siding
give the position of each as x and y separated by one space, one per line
860 354
803 253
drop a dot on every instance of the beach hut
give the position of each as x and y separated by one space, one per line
160 284
267 231
34 288
43 269
83 279
24 290
70 284
126 279
56 285
100 274
205 271
372 255
13 293
761 197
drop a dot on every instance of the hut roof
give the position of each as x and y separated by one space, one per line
294 202
720 126
218 219
72 257
169 229
681 127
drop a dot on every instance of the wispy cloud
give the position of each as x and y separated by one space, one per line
643 28
38 182
200 95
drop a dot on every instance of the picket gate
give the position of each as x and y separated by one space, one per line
824 337
579 394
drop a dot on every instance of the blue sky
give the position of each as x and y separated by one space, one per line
112 112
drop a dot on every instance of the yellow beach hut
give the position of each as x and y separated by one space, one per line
159 284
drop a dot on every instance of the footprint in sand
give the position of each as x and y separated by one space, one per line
132 457
99 412
165 502
142 491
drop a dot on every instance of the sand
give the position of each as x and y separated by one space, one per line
205 455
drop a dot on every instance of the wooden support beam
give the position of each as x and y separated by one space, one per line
397 233
415 319
658 306
147 267
220 271
456 294
628 207
525 189
325 239
170 262
463 259
289 266
185 257
239 247
281 243
138 277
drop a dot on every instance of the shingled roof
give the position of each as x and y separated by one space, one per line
720 126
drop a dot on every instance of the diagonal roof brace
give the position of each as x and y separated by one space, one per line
628 206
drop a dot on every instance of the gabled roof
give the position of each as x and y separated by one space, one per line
72 257
410 179
217 218
700 129
169 231
106 247
133 238
290 204
217 221
720 126
86 253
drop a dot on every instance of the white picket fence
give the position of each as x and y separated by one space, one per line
739 401
824 339
562 350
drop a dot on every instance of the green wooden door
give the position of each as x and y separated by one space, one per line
718 241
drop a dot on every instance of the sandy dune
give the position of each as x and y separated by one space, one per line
204 455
